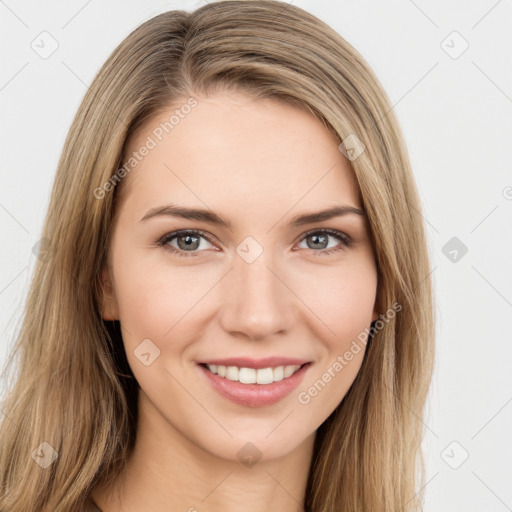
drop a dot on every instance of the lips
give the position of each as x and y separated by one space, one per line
247 362
254 395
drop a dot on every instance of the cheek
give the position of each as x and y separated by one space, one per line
346 306
342 298
158 301
352 303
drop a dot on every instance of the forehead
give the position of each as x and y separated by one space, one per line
230 150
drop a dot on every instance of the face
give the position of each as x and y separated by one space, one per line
250 277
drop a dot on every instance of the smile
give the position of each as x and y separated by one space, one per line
253 376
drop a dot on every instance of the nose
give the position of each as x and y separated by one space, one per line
257 301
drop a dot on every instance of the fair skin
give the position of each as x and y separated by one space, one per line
256 165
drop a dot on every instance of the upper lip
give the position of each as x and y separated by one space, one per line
247 362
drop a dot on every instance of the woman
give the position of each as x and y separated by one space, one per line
234 310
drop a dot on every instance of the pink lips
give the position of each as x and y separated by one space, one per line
255 395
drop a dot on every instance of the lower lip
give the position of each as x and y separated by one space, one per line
255 395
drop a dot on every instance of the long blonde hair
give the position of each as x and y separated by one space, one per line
73 388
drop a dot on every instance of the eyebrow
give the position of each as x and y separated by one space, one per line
214 219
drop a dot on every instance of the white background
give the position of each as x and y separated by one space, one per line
456 118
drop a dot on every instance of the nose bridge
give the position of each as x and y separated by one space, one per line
259 303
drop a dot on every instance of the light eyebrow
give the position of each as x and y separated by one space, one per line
212 218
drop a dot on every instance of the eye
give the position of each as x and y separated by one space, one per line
318 240
188 241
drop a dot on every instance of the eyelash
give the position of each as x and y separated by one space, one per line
345 240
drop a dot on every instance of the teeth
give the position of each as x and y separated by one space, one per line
252 376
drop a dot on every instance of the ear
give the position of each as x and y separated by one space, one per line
109 306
